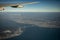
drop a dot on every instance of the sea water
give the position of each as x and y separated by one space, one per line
31 31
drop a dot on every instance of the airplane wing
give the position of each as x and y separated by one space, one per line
23 3
17 5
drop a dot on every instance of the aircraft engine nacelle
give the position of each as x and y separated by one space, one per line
18 6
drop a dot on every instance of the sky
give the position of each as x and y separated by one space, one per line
43 6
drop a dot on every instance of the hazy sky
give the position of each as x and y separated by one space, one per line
43 6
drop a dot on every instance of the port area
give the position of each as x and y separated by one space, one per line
10 33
